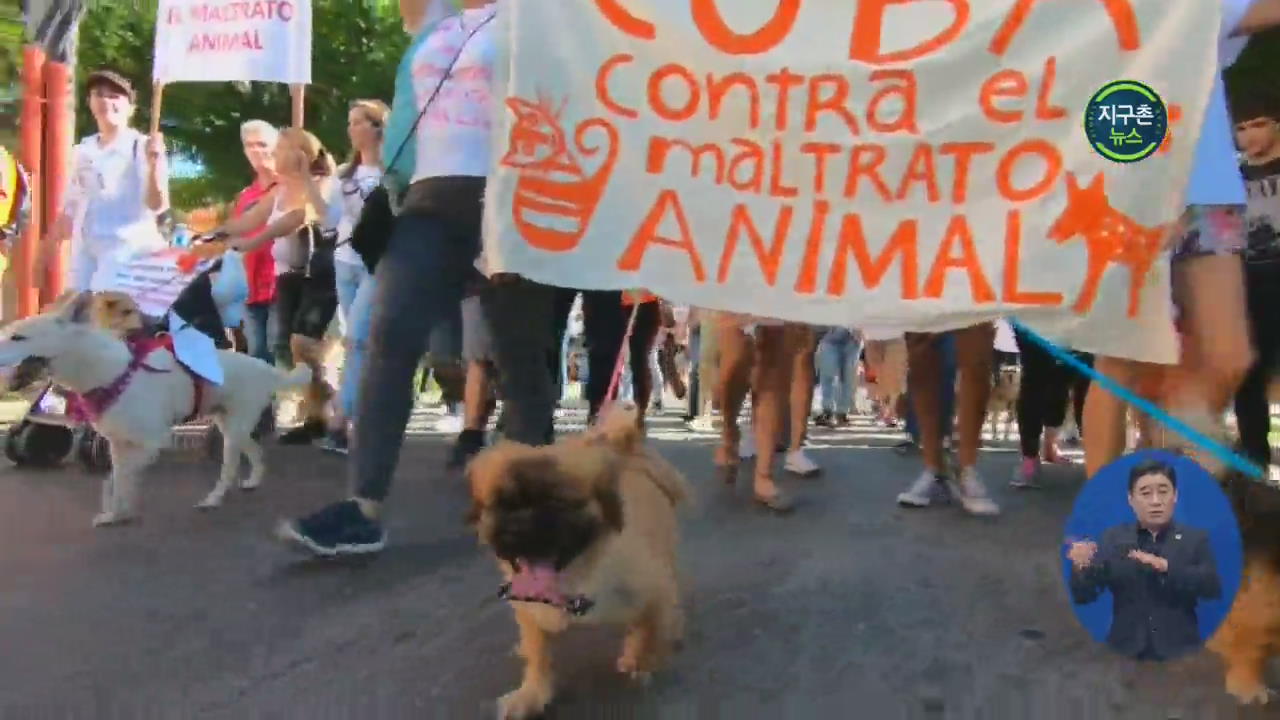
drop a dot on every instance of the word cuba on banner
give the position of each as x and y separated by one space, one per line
226 40
922 165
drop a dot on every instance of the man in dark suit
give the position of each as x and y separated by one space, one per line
1156 571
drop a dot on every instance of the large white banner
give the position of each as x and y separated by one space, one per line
921 165
230 40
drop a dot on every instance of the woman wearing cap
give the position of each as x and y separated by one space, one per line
119 184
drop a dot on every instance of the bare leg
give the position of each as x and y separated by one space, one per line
973 364
735 362
924 368
801 342
771 381
1104 414
1210 290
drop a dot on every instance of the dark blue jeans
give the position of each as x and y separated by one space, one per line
420 282
259 332
947 344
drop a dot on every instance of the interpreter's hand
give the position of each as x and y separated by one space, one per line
155 149
1155 562
1081 553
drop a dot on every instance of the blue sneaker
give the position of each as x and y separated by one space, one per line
339 529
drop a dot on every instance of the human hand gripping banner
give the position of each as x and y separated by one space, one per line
921 165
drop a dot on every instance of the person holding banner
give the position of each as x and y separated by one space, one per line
974 350
441 119
258 138
1208 273
757 355
119 186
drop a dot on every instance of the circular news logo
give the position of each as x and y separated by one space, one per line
1126 121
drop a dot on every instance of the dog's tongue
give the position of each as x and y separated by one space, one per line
537 582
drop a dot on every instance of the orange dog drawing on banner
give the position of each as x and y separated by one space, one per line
1110 237
554 198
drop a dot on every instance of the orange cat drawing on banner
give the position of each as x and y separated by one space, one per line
554 198
1110 236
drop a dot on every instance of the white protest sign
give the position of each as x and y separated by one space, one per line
921 165
233 40
153 280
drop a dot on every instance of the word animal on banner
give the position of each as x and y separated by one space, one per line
154 281
921 165
248 40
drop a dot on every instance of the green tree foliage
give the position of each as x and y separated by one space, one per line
356 45
10 54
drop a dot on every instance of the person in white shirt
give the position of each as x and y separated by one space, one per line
357 179
119 185
1208 274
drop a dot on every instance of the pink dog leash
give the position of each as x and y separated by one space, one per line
623 354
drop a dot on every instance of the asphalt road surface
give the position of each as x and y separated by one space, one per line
850 608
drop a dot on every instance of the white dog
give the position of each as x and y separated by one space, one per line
144 403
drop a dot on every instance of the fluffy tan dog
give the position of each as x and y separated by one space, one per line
1250 635
584 531
115 312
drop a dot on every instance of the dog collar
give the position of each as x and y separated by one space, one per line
575 605
93 404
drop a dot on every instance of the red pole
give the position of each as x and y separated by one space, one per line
31 124
59 138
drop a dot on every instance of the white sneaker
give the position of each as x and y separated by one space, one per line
972 493
921 492
747 445
449 424
799 463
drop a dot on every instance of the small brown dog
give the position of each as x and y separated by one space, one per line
584 531
116 312
1250 635
113 311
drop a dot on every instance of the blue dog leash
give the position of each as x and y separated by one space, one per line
1218 450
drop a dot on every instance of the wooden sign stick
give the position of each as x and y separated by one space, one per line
298 93
157 100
